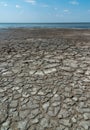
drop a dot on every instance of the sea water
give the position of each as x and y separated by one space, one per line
45 25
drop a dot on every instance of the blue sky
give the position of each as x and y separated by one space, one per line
44 11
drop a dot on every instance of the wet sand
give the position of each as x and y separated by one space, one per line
44 79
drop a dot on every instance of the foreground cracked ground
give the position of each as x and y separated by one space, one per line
44 81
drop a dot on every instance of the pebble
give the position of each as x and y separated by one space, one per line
14 104
34 121
22 125
24 114
86 116
66 122
74 120
75 99
40 93
46 105
85 124
48 71
44 123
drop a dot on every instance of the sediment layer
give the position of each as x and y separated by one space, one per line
44 79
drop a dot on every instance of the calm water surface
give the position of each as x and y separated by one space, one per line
45 25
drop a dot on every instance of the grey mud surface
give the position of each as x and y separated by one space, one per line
44 79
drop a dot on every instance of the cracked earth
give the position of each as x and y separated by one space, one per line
44 80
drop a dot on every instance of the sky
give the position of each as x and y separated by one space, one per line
44 11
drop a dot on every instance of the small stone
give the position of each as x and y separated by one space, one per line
35 121
8 73
67 68
1 90
15 114
86 110
56 110
34 91
56 97
32 105
25 95
86 116
17 80
40 93
22 125
14 104
66 129
80 128
50 113
81 104
39 73
60 116
35 112
74 120
87 72
6 124
67 89
64 113
54 91
18 56
17 96
69 101
38 98
86 80
45 106
44 123
66 94
24 114
61 127
71 63
75 99
49 95
15 88
55 104
48 71
66 122
82 99
16 70
78 92
51 65
19 90
85 124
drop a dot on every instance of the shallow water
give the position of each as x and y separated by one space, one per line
46 25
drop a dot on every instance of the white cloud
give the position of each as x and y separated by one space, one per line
74 2
45 5
33 2
55 8
66 11
59 15
18 6
3 4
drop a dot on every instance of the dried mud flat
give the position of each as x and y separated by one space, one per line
44 79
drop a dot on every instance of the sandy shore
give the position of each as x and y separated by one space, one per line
44 79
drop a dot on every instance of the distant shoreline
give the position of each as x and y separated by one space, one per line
45 25
23 28
43 22
27 33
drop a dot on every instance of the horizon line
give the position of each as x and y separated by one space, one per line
40 22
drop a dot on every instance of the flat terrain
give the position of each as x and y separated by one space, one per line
44 79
